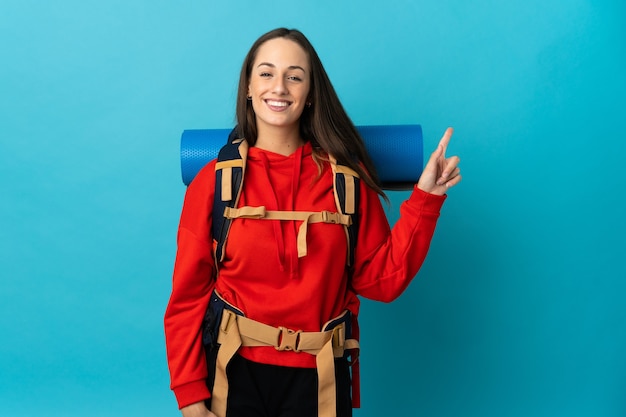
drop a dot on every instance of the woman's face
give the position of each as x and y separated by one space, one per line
279 84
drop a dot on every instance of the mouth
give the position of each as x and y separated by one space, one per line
277 105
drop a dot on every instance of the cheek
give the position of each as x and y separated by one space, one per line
306 91
254 87
255 105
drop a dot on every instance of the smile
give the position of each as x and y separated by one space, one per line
277 103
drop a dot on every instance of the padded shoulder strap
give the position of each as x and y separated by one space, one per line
229 174
347 197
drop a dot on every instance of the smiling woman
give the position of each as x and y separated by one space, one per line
279 90
278 306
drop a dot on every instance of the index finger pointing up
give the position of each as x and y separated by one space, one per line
445 139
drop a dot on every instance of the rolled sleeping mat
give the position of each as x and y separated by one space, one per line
396 150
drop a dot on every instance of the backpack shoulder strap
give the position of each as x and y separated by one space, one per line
229 174
347 197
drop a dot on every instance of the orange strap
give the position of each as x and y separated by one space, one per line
306 217
236 331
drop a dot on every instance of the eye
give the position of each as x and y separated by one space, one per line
294 78
265 75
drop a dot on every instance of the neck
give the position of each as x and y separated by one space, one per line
280 140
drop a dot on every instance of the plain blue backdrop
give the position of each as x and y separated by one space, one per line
520 307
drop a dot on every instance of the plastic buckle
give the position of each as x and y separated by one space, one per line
339 336
226 320
288 339
327 217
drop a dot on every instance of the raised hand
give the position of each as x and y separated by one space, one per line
440 173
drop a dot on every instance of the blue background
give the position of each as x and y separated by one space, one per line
519 309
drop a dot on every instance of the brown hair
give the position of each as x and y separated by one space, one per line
325 123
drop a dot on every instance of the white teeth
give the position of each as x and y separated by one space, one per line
277 103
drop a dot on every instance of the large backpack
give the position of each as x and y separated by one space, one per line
229 175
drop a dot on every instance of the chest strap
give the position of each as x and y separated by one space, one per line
307 217
236 331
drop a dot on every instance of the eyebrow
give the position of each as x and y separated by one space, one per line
291 67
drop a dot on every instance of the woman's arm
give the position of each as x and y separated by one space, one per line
388 259
193 281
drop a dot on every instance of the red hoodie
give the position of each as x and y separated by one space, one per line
262 274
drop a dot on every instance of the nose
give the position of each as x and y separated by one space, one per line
280 87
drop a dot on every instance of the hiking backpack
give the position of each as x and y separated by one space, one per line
229 176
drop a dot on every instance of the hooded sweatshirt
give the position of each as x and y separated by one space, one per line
262 274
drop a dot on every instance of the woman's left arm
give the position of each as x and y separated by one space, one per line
386 260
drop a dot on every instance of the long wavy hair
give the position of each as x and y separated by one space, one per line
325 123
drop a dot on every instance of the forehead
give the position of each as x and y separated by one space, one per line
282 52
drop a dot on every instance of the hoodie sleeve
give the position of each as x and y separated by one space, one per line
386 260
192 284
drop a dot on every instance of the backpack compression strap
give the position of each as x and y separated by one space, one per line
347 197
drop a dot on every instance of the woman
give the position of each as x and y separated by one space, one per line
295 127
